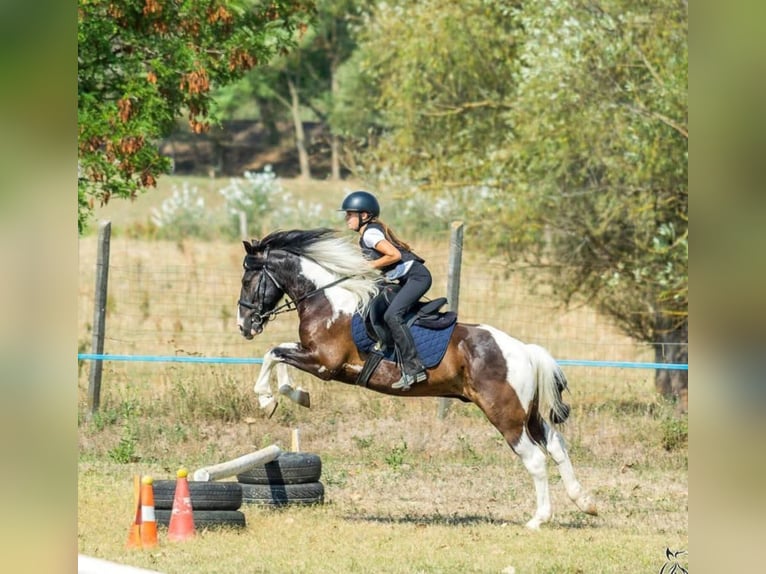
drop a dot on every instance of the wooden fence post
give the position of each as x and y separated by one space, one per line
99 315
243 226
453 285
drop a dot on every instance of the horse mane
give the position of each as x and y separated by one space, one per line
333 253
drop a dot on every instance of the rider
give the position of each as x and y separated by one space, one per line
398 263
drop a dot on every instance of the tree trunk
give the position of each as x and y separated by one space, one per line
334 140
300 137
672 346
268 119
335 159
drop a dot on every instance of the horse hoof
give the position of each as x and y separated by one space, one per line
302 398
296 395
533 524
587 505
269 408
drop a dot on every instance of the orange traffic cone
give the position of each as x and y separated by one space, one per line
181 525
134 536
148 519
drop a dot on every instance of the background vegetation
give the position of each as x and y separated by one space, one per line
561 126
556 130
406 491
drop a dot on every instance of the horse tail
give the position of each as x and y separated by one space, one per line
551 382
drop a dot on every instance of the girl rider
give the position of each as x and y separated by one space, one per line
398 263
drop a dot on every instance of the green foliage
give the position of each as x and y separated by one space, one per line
354 113
397 456
258 195
104 418
141 64
675 431
362 443
563 134
125 451
601 156
442 84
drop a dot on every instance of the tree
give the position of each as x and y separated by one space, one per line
563 127
425 96
142 63
305 80
600 147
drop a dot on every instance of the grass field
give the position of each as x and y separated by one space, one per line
405 491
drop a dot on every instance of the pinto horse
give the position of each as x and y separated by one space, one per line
518 386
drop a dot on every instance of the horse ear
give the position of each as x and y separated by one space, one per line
250 247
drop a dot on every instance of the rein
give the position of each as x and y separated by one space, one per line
291 304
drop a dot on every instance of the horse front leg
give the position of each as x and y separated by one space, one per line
279 358
262 386
297 395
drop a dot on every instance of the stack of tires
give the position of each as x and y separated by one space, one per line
213 503
291 478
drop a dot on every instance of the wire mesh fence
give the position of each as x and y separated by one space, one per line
179 298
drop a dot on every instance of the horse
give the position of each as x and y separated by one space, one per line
326 280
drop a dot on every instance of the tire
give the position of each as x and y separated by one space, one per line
204 495
207 518
287 468
283 494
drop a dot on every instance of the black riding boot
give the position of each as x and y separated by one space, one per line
416 283
412 367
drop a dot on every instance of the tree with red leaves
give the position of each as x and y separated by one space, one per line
144 63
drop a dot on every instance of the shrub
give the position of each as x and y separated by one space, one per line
183 215
675 431
255 196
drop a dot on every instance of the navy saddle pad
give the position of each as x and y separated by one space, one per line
430 343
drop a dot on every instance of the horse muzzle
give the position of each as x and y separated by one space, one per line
252 326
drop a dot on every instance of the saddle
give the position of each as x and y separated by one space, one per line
431 330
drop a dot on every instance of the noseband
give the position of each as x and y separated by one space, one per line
259 317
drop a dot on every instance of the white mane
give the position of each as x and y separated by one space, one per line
343 259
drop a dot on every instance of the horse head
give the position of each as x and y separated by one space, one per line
301 264
261 291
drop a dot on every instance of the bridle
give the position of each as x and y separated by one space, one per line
259 317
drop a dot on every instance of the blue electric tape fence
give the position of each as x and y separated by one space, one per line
168 359
258 361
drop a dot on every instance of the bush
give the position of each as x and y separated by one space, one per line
267 206
255 196
675 432
183 215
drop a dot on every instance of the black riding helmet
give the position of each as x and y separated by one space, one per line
358 201
361 201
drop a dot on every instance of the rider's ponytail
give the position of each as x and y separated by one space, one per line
393 238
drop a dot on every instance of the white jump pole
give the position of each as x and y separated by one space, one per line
238 465
90 565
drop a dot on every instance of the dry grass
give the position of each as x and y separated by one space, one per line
405 491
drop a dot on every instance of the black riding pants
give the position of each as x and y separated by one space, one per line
414 285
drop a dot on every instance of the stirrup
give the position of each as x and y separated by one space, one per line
408 380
